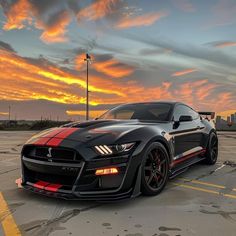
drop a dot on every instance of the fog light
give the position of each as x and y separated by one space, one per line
107 171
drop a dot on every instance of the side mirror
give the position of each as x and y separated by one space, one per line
185 118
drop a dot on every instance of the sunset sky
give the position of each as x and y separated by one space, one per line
141 50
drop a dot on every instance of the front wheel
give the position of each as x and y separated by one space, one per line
212 150
155 169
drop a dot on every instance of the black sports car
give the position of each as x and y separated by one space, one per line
131 149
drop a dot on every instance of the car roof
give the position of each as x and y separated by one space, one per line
154 102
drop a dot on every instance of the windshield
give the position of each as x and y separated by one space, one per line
146 111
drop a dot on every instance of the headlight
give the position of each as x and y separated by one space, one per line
114 149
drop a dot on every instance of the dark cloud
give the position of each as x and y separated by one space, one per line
6 4
49 11
103 57
6 46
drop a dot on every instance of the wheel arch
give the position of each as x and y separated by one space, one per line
209 135
164 142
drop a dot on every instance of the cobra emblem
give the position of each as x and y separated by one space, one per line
49 155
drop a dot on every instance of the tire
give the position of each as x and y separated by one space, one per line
155 169
212 150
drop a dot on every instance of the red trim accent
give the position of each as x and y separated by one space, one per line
53 187
40 184
55 141
47 186
184 158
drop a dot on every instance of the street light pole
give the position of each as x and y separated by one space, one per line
87 59
87 94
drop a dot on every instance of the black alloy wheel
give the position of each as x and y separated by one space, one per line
212 150
155 169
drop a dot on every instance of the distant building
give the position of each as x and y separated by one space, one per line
232 118
218 119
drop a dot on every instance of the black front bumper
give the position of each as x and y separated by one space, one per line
78 180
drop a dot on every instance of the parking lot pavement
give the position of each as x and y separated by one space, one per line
202 201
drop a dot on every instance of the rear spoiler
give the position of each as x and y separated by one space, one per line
207 113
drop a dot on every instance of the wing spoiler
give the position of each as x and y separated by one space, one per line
207 113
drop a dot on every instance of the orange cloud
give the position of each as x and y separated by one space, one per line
18 15
113 68
97 10
56 32
225 44
143 20
23 13
183 72
30 80
204 92
4 113
110 67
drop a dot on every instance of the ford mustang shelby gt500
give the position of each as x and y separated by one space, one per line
129 150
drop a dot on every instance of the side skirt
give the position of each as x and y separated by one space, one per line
179 169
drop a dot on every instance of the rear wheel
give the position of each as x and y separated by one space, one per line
212 150
155 169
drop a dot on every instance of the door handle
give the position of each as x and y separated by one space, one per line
198 127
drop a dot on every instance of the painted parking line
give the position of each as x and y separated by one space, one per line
204 190
8 223
205 183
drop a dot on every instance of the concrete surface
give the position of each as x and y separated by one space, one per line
202 201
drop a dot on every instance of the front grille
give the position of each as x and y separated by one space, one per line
55 153
51 154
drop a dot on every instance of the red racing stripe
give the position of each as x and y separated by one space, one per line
40 184
45 138
54 132
53 187
55 141
41 141
66 133
184 158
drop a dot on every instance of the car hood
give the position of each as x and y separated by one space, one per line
97 131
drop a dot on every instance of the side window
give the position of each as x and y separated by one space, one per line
182 110
194 114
